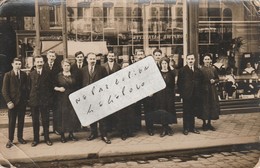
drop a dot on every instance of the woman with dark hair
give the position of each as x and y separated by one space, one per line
66 116
164 113
210 105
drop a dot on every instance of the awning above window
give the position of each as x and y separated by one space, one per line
98 47
56 46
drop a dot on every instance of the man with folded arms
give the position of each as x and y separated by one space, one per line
54 67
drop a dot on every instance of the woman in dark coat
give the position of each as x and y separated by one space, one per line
210 107
164 113
67 118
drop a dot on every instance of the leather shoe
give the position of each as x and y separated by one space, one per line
91 137
194 130
34 143
210 127
123 136
163 133
106 140
9 144
72 137
150 132
170 132
204 127
48 142
185 132
21 141
62 139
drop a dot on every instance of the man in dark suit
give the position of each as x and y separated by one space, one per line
76 68
14 91
189 85
90 74
145 105
54 68
111 67
157 55
40 92
52 65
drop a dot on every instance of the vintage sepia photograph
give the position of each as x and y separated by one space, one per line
129 83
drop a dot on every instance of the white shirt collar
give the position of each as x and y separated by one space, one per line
16 72
39 70
80 65
192 66
50 63
111 64
66 74
89 67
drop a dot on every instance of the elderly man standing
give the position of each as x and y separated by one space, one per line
90 74
15 94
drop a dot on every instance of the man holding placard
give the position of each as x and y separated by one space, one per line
90 74
111 67
146 104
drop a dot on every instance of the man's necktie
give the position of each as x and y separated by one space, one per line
51 65
18 75
91 70
39 72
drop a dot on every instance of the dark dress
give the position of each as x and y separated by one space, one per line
125 119
210 105
164 101
67 118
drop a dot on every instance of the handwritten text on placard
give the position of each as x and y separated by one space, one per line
117 91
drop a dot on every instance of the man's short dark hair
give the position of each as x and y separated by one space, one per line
207 54
38 56
51 51
157 50
139 50
17 59
110 52
90 53
190 54
78 53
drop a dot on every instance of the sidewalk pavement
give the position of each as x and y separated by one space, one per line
232 129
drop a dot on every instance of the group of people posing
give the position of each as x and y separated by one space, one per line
48 85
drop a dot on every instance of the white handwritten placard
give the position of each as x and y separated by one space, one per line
117 91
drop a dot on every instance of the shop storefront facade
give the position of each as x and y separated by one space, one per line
229 30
